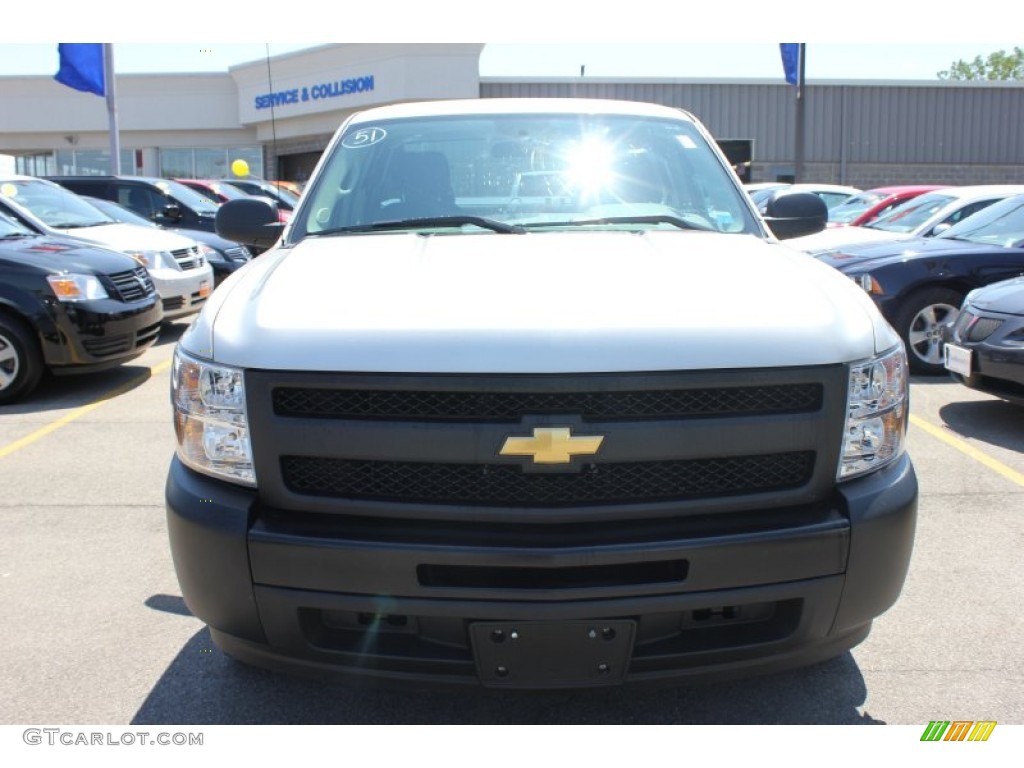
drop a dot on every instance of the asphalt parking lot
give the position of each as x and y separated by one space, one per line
95 630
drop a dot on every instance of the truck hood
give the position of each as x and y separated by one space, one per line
541 302
131 237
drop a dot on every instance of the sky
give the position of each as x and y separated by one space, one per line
847 61
528 38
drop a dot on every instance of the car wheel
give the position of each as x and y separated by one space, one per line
919 323
21 364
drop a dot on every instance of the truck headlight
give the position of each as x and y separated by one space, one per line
210 420
876 414
68 287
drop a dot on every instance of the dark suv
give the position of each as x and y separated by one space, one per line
68 306
162 201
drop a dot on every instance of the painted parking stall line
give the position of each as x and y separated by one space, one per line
67 418
968 450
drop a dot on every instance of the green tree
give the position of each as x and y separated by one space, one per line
999 65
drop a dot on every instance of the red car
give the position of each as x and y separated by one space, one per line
870 204
220 192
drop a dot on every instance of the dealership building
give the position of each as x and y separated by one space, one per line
279 114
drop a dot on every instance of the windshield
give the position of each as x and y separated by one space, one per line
999 224
120 213
523 171
11 227
53 204
199 203
912 214
282 194
849 210
226 191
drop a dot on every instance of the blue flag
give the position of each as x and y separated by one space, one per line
790 60
81 67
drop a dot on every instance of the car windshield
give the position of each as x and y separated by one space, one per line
849 210
53 204
120 213
199 203
11 228
912 214
999 224
507 173
282 194
225 190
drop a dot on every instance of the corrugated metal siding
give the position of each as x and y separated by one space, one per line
945 124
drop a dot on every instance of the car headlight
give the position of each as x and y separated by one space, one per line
150 259
876 414
211 254
210 419
68 287
867 282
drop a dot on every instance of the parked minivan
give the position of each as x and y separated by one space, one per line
162 201
67 306
183 277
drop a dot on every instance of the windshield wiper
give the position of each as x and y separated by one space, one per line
78 225
15 235
658 218
427 223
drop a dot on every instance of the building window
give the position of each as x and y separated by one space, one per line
209 162
176 163
74 162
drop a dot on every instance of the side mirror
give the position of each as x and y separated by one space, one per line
795 214
250 221
938 229
171 212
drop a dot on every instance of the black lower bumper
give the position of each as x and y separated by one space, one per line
433 613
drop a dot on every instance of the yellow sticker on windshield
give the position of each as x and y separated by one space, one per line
8 190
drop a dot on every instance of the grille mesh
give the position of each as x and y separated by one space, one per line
512 406
983 328
972 327
133 284
508 486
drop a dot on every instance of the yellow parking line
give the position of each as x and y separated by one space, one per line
67 418
968 449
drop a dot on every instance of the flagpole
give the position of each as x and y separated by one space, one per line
108 79
798 159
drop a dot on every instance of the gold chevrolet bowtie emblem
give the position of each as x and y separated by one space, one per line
551 445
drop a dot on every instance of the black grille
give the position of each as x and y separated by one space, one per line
971 327
508 486
176 302
237 254
109 345
133 285
147 335
308 402
983 328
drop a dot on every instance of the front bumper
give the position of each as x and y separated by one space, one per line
90 336
997 365
394 604
183 293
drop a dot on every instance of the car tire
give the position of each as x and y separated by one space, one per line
919 323
21 363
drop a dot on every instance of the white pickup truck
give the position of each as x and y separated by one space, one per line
607 430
